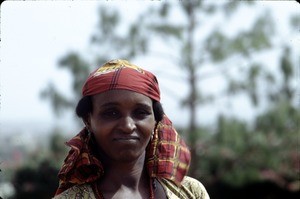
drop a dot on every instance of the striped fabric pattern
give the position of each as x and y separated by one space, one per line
168 155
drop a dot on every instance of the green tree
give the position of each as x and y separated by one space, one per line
194 50
264 151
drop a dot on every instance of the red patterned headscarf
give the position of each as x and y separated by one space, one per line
120 74
167 155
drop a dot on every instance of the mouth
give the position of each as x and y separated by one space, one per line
126 139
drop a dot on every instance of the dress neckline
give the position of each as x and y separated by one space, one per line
152 188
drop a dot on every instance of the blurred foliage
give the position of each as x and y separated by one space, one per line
37 178
245 43
193 50
232 151
35 182
238 153
58 148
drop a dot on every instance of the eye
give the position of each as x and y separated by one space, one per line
141 113
110 114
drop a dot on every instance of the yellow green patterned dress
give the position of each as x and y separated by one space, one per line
190 189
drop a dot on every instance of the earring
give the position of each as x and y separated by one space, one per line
152 134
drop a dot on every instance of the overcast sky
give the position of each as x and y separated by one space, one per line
35 34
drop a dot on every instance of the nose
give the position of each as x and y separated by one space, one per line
127 124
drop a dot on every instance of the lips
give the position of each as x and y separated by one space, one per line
127 138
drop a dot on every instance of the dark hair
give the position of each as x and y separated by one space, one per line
85 107
158 111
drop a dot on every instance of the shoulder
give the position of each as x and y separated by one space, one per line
84 191
195 186
190 188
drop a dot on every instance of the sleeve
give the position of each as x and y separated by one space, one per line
190 189
77 191
195 187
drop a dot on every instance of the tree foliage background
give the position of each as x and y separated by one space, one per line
199 39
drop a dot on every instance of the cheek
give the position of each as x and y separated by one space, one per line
102 137
99 130
93 126
148 128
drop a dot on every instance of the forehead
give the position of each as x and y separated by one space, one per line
121 96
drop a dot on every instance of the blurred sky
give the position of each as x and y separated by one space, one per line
35 34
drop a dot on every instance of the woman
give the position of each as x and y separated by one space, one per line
128 148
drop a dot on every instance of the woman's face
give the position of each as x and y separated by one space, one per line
122 123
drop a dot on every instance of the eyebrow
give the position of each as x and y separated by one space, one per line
146 106
109 104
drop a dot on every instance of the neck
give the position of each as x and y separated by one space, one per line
131 174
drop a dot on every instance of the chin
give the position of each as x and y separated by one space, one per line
130 157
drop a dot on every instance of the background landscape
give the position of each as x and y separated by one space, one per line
229 73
